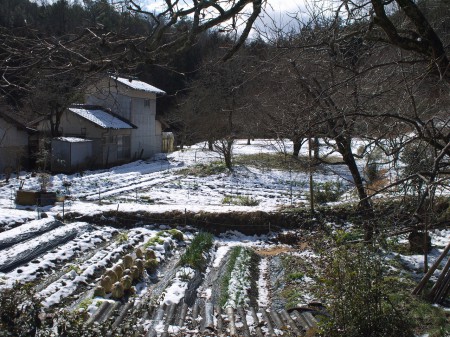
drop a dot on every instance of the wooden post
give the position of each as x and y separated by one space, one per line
425 245
437 286
430 272
311 182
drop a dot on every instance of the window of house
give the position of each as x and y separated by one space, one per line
146 102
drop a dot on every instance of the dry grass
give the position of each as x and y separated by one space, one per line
378 184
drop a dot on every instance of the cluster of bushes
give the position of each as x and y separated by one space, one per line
364 299
329 191
240 200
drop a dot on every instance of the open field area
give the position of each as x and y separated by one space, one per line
127 254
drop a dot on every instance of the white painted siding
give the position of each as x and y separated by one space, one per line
129 103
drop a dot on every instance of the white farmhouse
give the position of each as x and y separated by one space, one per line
135 101
116 124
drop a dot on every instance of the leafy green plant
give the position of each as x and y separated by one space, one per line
154 241
341 236
195 255
75 268
122 237
235 252
176 234
295 276
329 191
84 304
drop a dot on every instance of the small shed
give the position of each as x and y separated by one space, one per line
70 154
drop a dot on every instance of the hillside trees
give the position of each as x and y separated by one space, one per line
106 38
218 107
363 87
419 89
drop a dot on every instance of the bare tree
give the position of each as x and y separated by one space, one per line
25 52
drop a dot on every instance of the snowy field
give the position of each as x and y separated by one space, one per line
69 262
157 186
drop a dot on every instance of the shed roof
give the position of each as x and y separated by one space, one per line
10 118
101 117
72 139
138 85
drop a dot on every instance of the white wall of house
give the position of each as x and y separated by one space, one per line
139 107
13 145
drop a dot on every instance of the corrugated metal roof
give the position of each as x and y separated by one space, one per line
101 118
138 85
73 139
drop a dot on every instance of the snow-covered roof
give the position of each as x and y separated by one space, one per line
101 118
73 139
138 85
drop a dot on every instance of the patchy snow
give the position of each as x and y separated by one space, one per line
31 227
80 274
21 249
175 292
47 263
263 289
220 254
157 186
73 139
240 280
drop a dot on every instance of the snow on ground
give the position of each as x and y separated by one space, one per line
415 262
157 186
263 292
175 292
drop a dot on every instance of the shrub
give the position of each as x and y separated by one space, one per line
353 283
204 170
416 157
295 276
19 310
240 200
329 191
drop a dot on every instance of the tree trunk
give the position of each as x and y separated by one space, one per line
228 154
210 145
297 147
316 148
297 142
365 207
